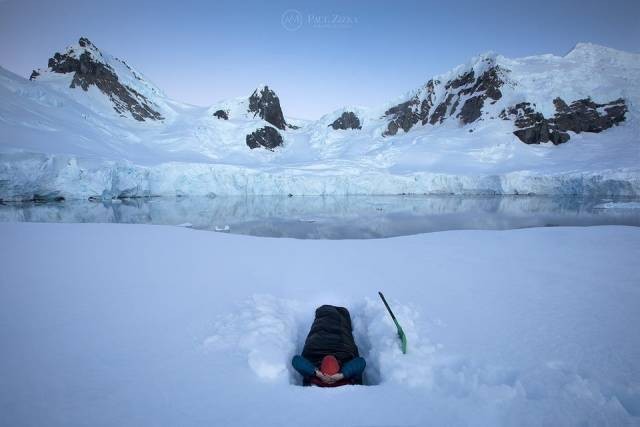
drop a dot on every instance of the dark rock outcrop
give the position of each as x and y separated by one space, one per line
405 115
441 110
265 104
348 120
33 75
533 127
463 80
88 71
472 109
467 89
84 42
487 86
266 137
222 114
582 115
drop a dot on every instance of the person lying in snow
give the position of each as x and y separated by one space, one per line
330 356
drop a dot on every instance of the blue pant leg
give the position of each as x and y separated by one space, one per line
354 367
303 366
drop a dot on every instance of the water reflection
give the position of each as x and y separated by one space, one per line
354 217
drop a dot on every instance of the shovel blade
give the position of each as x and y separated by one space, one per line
403 340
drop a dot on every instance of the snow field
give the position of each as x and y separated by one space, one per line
137 325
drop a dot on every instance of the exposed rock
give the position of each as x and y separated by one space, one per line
463 80
89 71
392 129
222 114
266 137
427 102
472 109
441 110
488 84
348 120
465 89
34 74
582 115
541 132
534 128
405 115
266 105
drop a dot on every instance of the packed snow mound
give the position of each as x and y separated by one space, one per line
266 329
462 132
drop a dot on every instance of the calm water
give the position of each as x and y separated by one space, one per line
353 217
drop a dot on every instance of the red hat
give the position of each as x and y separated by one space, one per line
330 365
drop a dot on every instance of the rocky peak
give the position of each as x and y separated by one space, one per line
84 42
436 101
91 68
265 104
347 120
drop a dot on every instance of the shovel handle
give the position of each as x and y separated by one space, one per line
388 308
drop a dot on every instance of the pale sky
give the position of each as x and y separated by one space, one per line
318 56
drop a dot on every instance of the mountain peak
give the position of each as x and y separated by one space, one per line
587 49
264 103
262 87
126 90
84 46
84 42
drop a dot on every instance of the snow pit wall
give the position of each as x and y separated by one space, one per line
25 176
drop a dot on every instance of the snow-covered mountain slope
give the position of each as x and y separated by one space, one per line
91 126
105 80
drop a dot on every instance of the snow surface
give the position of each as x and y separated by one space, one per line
57 141
151 325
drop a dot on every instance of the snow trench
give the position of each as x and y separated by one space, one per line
267 332
271 331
